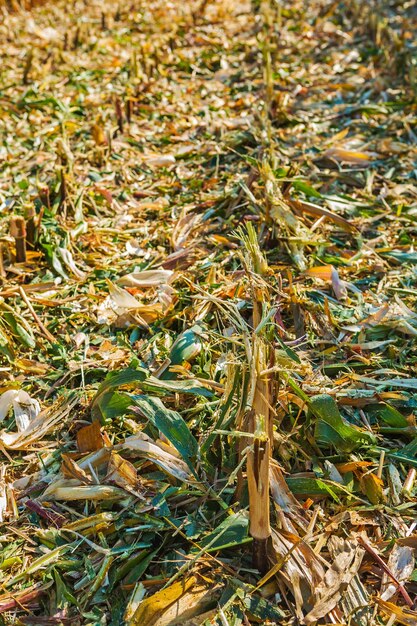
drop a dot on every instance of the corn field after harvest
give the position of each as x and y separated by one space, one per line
208 312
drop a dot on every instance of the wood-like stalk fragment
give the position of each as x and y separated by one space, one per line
27 67
18 232
31 226
258 485
260 424
261 395
45 197
62 190
45 332
52 517
2 270
119 114
77 38
409 481
129 110
386 569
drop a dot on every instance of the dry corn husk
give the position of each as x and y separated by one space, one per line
33 426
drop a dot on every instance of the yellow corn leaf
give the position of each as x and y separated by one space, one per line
339 136
348 156
403 615
372 486
89 438
343 468
324 272
191 607
151 609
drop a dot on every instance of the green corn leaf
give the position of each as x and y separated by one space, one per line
233 531
310 487
187 346
332 431
170 423
113 381
193 387
20 328
387 414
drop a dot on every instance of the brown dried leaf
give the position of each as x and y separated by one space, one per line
329 591
89 438
70 469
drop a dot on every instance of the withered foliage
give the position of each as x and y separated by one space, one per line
207 312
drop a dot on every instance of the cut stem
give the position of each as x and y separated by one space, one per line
2 270
119 114
18 232
31 225
258 485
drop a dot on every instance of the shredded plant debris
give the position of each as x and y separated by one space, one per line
208 312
